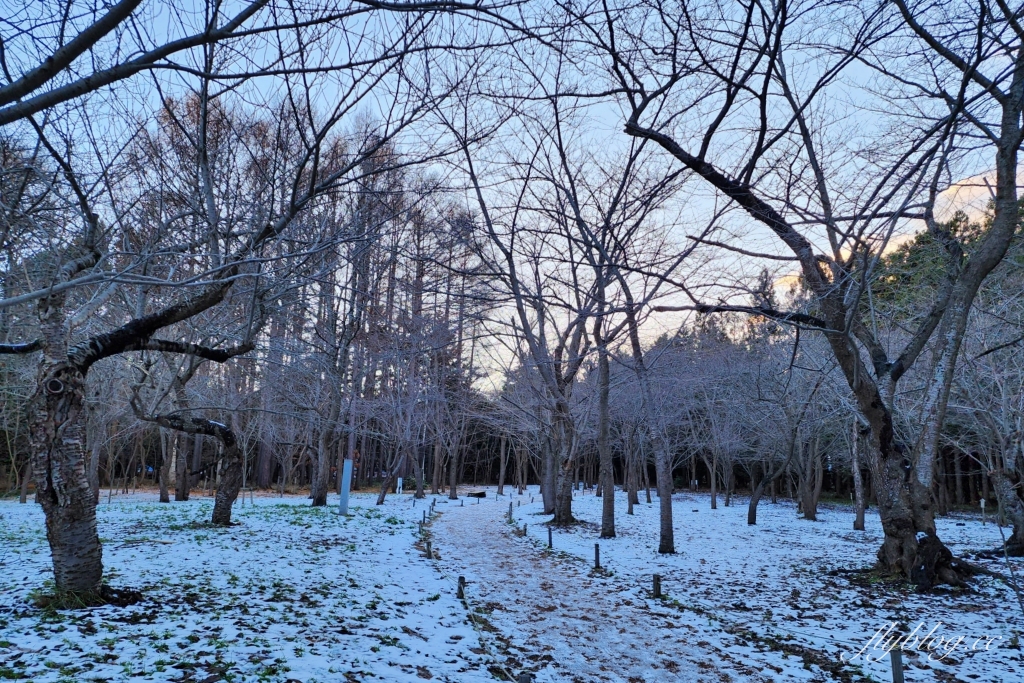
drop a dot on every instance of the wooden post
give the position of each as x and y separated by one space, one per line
430 552
896 656
657 585
462 503
549 538
524 529
510 511
424 516
597 556
461 592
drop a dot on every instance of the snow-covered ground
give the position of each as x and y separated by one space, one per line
766 602
298 594
291 594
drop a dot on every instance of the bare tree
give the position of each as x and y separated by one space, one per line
687 75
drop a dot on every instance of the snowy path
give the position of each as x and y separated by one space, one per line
554 616
743 604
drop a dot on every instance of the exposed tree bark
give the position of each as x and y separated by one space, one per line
62 483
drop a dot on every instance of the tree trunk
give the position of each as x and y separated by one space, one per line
321 482
563 464
811 481
756 491
390 478
197 460
550 475
63 488
713 469
453 471
417 469
501 465
858 479
727 477
181 475
165 467
606 483
230 482
663 472
563 495
435 476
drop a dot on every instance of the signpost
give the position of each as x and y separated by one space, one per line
346 482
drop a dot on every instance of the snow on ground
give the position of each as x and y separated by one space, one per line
742 603
298 594
291 594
